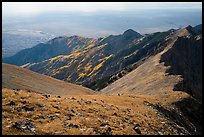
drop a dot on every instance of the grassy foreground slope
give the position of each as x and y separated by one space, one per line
94 114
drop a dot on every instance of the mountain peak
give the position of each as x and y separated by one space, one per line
131 33
76 36
187 31
191 30
189 27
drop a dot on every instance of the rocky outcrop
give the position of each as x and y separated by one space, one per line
185 59
24 125
176 63
198 28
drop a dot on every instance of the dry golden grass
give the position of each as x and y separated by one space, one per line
21 78
121 113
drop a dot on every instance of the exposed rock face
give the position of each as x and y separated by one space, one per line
181 54
177 67
185 58
198 28
191 111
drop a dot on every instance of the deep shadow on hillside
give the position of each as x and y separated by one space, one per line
192 110
183 115
185 59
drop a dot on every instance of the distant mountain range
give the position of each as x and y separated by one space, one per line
95 63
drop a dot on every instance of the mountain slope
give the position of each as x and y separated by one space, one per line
144 101
109 55
26 112
58 46
198 28
15 77
181 60
106 59
88 63
185 59
175 69
131 57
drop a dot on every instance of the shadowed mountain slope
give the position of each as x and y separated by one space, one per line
175 69
179 63
185 59
198 28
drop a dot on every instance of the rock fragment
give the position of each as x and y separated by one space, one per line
137 129
69 116
12 103
55 106
107 131
26 108
24 125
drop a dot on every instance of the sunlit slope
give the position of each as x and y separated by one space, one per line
98 114
15 77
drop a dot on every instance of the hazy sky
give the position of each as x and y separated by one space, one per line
29 9
96 19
